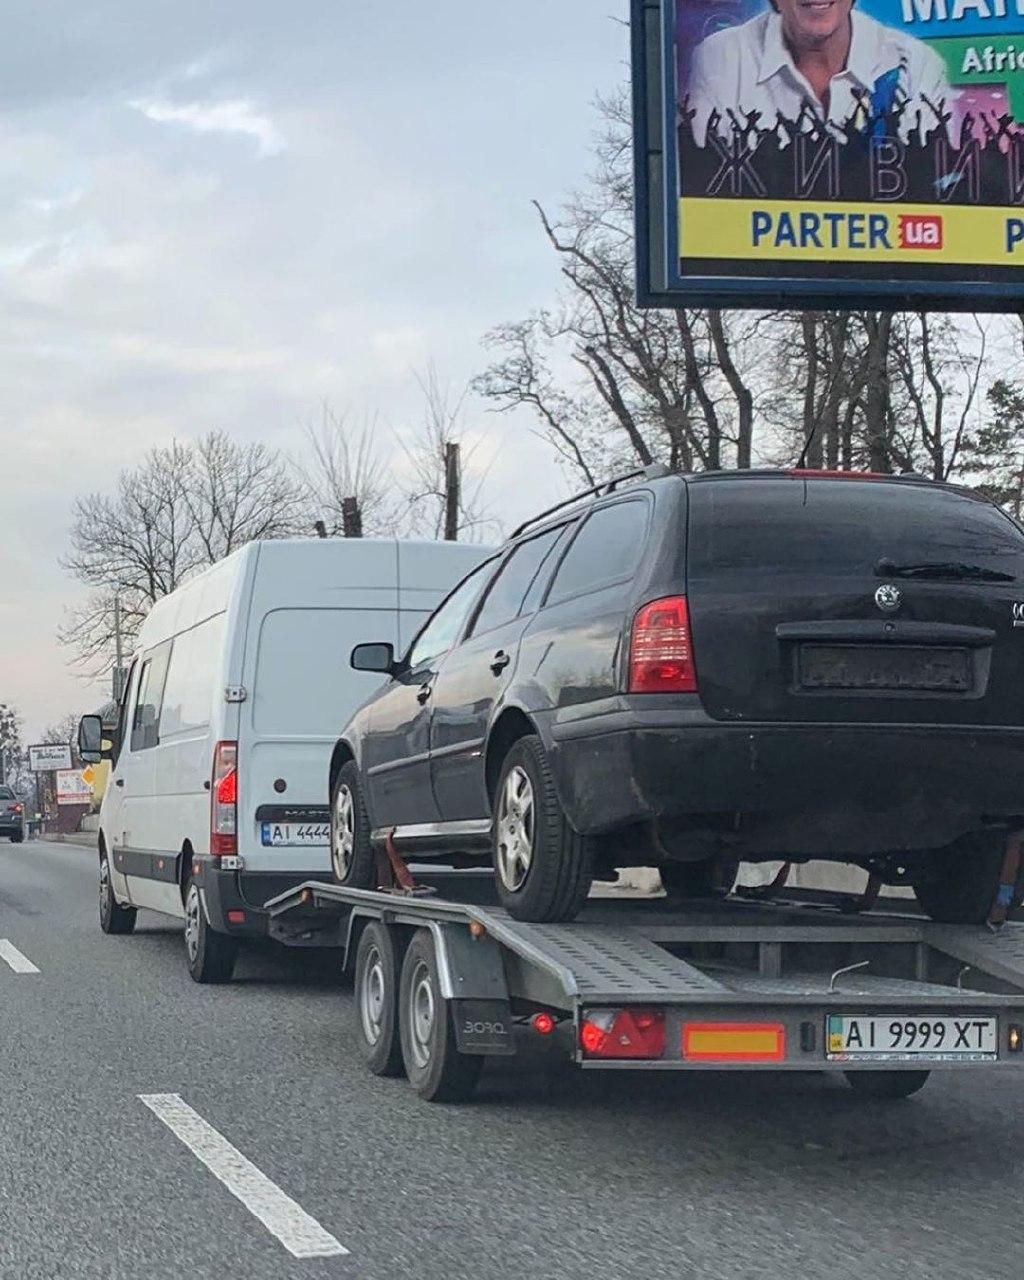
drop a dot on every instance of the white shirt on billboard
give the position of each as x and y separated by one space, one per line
749 68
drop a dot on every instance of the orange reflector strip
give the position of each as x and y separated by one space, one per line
734 1041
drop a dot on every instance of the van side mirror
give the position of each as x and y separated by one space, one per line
374 657
90 739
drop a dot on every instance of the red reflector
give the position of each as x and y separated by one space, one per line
661 650
734 1041
236 917
623 1033
543 1023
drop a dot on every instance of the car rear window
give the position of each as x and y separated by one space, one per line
843 527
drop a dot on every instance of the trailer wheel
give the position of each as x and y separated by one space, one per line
376 984
887 1085
435 1067
543 868
114 918
352 860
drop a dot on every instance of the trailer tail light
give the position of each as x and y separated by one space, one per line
734 1042
637 1034
224 801
661 650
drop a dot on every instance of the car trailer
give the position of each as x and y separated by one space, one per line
444 979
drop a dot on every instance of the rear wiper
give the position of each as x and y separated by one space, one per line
947 569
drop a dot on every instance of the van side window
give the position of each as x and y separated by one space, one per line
506 593
607 549
195 666
445 627
148 700
121 737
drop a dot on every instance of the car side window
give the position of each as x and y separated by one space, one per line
607 549
149 699
445 627
504 599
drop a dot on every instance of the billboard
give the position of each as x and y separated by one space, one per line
826 153
49 756
73 788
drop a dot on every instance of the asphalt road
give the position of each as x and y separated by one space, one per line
545 1175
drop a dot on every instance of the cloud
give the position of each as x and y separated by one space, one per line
234 116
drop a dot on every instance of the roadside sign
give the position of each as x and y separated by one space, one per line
898 184
47 756
89 775
72 787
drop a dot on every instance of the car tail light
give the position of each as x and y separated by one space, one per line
661 650
16 808
224 801
623 1033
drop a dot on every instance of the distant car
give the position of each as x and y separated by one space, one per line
690 671
217 798
12 816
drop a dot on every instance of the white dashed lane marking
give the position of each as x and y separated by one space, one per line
12 956
300 1234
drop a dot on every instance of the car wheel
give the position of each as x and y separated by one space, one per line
210 955
958 884
713 878
17 837
352 860
886 1085
114 918
435 1067
543 868
376 991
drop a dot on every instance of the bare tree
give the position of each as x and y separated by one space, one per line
346 480
442 488
11 752
182 508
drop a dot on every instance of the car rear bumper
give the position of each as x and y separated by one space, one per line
244 891
770 789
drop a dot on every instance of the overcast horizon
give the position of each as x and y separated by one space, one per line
217 217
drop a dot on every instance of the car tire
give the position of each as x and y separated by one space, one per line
543 869
376 992
885 1086
435 1067
712 878
352 860
114 918
958 884
210 955
18 837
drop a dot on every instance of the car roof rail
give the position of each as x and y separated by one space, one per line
656 471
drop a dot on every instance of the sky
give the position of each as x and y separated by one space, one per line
222 215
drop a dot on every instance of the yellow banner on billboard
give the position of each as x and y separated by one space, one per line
808 231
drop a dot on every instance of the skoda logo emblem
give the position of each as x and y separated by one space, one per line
888 598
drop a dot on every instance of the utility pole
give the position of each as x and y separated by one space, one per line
452 491
118 682
351 518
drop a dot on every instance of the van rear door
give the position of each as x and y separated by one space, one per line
852 600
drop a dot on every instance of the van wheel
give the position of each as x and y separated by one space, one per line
376 988
712 878
958 884
210 955
543 868
886 1085
113 917
435 1067
352 860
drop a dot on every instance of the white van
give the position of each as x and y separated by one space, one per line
217 798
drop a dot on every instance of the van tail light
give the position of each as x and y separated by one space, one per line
661 649
224 801
623 1033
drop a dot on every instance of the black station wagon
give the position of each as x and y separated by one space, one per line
690 671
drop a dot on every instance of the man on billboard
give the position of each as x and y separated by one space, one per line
818 63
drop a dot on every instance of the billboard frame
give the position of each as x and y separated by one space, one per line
50 746
659 282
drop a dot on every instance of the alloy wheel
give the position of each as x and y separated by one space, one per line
192 909
515 834
106 901
343 831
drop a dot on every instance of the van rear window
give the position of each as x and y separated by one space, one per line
843 527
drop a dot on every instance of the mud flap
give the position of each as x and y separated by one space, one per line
483 1026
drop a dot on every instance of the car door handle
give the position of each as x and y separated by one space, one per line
424 694
500 662
119 782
